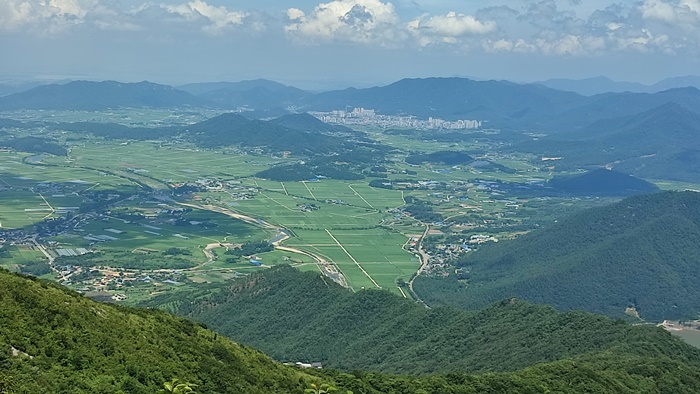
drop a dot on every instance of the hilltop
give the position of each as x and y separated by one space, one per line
298 134
54 340
639 253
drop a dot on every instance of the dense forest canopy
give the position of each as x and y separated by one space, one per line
302 316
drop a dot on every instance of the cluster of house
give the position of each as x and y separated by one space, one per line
368 117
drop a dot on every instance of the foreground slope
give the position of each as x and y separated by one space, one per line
65 343
303 316
642 253
55 341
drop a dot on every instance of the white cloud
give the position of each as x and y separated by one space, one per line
218 18
46 16
659 10
448 28
52 16
549 27
15 13
648 26
354 21
295 13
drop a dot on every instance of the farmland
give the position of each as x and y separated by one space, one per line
136 231
143 217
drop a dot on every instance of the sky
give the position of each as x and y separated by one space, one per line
340 43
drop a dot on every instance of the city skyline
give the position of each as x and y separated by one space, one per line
340 43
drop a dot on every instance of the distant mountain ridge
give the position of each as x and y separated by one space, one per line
241 86
500 104
86 95
496 103
600 84
259 94
656 143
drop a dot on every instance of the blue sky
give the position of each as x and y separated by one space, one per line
336 43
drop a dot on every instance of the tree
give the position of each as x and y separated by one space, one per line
175 387
322 389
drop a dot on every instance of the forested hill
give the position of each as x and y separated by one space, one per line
302 316
304 137
643 252
56 341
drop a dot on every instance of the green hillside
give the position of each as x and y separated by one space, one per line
642 252
56 341
301 137
65 343
303 316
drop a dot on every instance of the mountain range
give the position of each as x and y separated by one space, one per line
648 135
84 95
498 103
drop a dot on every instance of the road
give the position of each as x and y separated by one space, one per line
327 267
230 213
353 260
48 256
424 259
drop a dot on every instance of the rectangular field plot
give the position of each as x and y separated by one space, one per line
13 255
301 189
21 208
380 254
294 212
342 193
15 173
381 199
273 186
367 258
